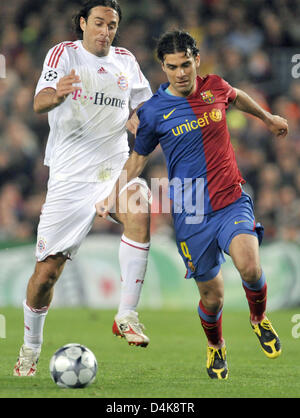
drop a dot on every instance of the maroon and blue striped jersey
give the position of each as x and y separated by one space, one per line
195 140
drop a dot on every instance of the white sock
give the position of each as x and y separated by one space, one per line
34 320
133 257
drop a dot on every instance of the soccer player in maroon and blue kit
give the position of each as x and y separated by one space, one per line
211 212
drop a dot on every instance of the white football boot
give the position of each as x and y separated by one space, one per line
27 362
129 327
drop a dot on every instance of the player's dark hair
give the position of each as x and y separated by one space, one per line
86 8
176 41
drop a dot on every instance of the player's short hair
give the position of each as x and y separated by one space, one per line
176 41
86 8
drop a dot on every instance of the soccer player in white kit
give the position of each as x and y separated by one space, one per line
88 87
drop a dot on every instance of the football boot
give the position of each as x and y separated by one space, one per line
268 338
131 329
216 363
27 362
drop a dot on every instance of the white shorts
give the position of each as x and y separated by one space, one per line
68 214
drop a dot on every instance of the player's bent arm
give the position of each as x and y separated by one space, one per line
45 100
133 168
246 104
48 98
277 125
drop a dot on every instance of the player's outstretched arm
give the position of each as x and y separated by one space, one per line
276 124
47 99
133 168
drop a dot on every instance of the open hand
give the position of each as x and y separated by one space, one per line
65 86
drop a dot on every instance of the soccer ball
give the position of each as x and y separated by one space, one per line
73 366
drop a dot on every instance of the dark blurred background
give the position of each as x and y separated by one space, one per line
249 43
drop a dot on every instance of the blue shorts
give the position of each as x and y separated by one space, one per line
202 252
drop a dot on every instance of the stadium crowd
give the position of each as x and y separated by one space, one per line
248 42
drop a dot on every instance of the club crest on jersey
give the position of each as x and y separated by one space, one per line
41 245
191 266
208 97
122 81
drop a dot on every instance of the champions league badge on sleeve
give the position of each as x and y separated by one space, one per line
50 75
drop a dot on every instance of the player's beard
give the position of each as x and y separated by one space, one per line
186 89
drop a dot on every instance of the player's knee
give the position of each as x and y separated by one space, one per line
46 275
250 272
212 302
46 280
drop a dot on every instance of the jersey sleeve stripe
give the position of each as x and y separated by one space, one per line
68 45
53 59
57 52
58 57
71 44
121 51
52 55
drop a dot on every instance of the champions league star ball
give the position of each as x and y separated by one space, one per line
73 366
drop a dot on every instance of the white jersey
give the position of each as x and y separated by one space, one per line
87 131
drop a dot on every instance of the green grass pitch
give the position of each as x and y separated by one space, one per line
172 366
